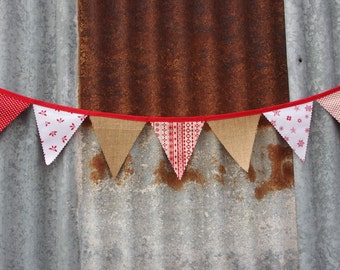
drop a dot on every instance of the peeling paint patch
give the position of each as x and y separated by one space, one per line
100 168
167 176
282 172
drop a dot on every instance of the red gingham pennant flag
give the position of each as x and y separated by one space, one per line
332 104
178 140
10 108
55 128
293 124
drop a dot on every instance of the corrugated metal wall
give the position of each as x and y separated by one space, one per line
38 204
313 39
187 58
72 215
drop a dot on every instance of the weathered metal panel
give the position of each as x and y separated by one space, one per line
186 58
217 218
38 204
206 57
313 38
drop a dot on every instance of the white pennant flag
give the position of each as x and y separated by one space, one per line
55 128
178 140
293 124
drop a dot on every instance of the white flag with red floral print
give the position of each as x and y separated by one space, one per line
10 108
55 128
178 140
332 104
293 124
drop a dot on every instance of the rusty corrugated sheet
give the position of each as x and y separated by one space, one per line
176 58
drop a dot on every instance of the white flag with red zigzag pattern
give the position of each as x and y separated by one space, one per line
178 140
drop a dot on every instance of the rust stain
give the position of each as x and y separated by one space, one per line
220 177
213 160
239 198
206 127
87 123
222 169
251 173
100 168
167 176
282 173
126 171
263 122
127 165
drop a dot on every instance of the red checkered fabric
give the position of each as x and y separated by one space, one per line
10 108
332 104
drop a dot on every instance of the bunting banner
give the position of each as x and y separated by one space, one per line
55 128
116 138
293 124
178 140
332 104
178 136
237 136
10 108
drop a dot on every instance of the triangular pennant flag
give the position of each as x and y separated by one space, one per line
293 124
10 108
116 138
178 140
55 128
332 104
237 135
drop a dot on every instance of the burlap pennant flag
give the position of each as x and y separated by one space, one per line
332 104
10 108
178 140
116 138
237 135
55 128
293 124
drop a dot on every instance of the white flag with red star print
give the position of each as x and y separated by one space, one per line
293 124
10 108
55 128
332 104
178 140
